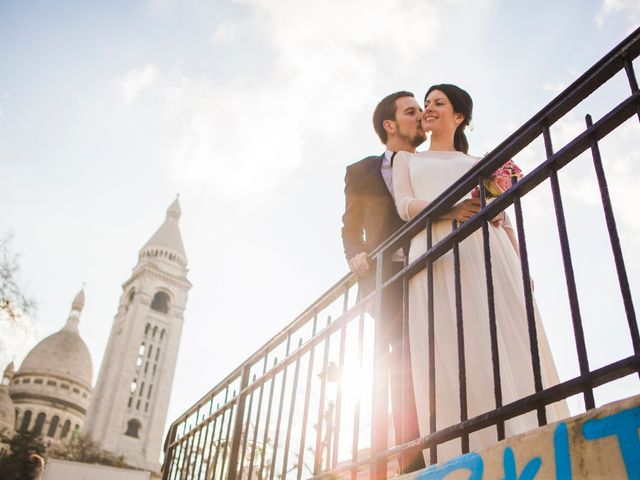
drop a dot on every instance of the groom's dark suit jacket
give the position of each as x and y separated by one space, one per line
370 215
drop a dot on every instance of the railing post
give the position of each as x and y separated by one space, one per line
237 426
379 402
168 452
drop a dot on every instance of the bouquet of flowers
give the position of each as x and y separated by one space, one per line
499 181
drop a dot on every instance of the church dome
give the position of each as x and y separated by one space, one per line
64 353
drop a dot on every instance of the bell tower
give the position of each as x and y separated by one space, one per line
129 406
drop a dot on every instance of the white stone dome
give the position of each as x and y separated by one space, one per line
63 354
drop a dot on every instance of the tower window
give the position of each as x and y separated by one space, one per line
160 302
133 428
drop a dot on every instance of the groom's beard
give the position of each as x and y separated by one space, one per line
419 139
416 140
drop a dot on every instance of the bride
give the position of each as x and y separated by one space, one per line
418 179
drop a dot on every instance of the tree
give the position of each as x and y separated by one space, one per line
82 449
13 299
24 462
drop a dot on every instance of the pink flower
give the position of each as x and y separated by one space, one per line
500 181
501 184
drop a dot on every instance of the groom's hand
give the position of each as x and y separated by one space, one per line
359 264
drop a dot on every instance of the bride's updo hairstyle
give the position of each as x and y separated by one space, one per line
462 103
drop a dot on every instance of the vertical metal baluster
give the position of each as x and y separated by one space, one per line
307 395
356 409
528 299
633 82
404 351
238 407
197 442
232 413
336 427
462 366
380 400
281 403
256 428
170 473
179 459
207 446
177 470
623 280
291 412
266 424
190 438
210 464
576 317
491 306
246 430
199 451
323 384
218 446
433 451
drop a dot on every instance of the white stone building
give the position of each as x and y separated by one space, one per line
52 394
52 388
129 407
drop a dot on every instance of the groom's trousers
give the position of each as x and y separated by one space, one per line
403 406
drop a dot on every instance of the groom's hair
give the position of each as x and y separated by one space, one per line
386 110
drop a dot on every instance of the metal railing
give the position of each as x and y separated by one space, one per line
313 401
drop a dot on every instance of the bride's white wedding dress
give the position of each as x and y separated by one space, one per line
425 176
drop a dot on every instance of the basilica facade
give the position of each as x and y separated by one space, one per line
52 392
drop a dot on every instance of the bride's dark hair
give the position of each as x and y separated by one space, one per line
462 103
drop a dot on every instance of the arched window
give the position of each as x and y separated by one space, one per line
132 294
53 426
26 420
133 428
65 429
160 302
40 419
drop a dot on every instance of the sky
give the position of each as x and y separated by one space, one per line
250 110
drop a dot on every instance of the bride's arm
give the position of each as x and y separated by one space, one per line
406 202
409 206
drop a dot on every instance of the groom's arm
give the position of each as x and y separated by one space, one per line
353 224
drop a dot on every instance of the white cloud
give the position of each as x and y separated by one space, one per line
135 81
225 31
243 136
629 9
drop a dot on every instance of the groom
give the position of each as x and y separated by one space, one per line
370 217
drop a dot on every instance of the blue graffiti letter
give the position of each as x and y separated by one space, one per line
470 461
625 426
561 450
511 473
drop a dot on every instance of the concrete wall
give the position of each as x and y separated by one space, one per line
63 470
601 444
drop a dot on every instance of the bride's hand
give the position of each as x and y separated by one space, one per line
466 209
